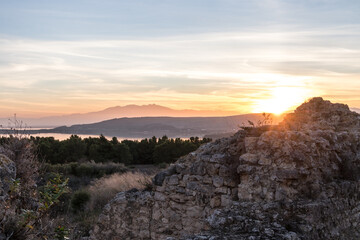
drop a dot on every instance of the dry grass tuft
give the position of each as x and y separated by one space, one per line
104 189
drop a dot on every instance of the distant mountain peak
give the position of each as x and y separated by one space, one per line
130 111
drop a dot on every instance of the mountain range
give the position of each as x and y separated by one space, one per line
145 127
151 110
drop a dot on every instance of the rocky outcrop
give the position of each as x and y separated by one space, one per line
7 176
318 114
182 197
299 180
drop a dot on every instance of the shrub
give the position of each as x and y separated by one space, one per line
21 151
86 169
79 200
61 233
25 214
52 191
162 165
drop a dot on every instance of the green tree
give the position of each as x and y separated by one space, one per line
72 149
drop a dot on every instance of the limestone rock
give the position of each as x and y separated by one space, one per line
298 180
322 115
7 175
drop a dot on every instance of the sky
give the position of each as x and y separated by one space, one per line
60 57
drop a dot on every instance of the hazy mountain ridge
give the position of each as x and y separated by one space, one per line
129 111
151 110
158 126
355 110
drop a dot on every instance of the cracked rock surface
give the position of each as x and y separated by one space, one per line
298 180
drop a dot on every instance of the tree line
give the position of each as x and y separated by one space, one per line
100 150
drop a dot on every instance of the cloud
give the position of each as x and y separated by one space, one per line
211 69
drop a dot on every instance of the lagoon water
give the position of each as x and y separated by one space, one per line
63 136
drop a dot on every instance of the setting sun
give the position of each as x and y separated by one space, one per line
282 99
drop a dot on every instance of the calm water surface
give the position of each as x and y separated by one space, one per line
63 136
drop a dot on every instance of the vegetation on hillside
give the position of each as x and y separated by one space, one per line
100 150
25 209
74 178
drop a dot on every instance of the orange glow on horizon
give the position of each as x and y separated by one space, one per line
282 99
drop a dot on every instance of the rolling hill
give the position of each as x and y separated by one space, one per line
158 126
151 110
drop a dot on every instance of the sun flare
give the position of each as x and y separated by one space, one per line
282 99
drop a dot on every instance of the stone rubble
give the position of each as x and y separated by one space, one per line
298 180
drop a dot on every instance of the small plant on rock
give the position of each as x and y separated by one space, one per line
256 129
61 233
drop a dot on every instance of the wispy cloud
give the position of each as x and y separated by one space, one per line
231 70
